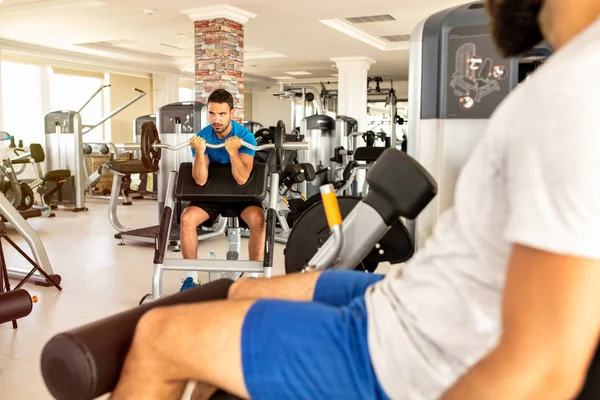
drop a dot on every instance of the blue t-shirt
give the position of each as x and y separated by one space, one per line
221 156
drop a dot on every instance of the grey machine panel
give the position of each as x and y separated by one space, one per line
176 123
457 79
319 132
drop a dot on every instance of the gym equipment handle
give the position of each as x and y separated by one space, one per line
183 145
150 145
334 220
287 146
330 203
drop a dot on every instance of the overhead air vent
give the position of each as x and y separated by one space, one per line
370 18
396 38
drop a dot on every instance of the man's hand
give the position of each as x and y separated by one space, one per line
198 144
233 145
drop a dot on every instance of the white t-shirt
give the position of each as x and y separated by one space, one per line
533 179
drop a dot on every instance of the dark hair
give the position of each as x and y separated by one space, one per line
221 96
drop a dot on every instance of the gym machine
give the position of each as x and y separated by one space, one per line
86 362
456 80
64 151
221 187
307 95
42 273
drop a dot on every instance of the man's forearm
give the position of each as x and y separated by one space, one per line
506 374
200 169
238 169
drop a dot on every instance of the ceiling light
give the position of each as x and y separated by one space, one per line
282 78
299 73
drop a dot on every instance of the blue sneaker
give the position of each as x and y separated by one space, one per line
188 283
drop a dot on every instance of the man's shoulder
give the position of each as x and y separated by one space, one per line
243 133
206 132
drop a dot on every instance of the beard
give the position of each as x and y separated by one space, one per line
221 128
515 26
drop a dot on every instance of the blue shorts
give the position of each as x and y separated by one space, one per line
312 350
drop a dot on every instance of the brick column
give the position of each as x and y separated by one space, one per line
219 52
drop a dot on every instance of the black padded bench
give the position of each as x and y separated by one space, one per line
127 167
368 154
221 187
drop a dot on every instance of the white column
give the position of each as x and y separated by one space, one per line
165 89
352 87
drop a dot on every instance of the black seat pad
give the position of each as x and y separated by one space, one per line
221 187
127 166
57 174
368 154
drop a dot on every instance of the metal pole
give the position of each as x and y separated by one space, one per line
118 110
303 104
78 167
393 110
91 98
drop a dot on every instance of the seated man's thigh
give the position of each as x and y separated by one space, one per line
303 350
199 213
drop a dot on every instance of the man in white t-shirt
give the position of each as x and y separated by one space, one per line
502 302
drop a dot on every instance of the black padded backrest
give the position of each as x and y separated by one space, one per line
221 187
399 186
368 154
270 158
37 152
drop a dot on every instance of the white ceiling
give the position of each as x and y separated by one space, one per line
288 27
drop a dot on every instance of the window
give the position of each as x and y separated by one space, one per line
71 92
22 112
186 94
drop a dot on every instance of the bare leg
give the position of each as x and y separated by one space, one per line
191 218
255 219
171 346
296 287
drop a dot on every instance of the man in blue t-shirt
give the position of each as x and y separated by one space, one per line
222 129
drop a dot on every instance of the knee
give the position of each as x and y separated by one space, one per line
148 326
191 218
256 220
236 290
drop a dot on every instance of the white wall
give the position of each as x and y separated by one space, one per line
267 109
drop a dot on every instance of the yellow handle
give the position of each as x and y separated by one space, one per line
332 208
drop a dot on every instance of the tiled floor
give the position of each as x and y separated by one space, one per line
99 278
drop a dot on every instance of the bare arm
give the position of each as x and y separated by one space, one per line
241 167
200 162
551 323
200 169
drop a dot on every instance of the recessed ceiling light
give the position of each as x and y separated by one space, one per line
299 73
